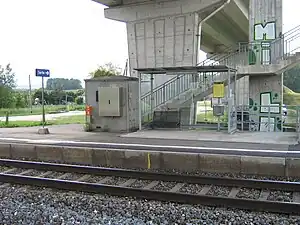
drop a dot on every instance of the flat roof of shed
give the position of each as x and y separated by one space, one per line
186 69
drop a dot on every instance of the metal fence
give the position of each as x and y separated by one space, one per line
298 125
253 118
265 118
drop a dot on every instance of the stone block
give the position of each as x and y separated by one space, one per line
49 153
180 161
154 159
78 155
216 163
292 167
135 159
23 151
100 157
5 150
115 158
270 166
43 131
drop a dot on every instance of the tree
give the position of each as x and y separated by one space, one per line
63 84
20 100
7 83
79 100
7 77
108 69
291 79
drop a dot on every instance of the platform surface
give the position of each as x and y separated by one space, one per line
75 134
247 137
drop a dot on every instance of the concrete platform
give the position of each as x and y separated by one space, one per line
73 134
246 137
247 153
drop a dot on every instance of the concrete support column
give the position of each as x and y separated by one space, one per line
161 33
163 42
265 18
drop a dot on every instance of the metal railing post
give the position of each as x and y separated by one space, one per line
269 118
242 120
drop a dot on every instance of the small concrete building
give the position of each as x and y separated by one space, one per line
114 101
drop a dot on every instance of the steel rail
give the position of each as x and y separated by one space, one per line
257 205
127 173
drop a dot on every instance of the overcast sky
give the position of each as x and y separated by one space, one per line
70 37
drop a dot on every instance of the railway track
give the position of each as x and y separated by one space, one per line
155 186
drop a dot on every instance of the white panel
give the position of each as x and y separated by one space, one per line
140 44
109 101
179 39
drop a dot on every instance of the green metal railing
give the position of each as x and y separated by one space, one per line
179 85
246 54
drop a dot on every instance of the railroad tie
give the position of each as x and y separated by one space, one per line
10 170
63 176
296 197
264 195
128 182
104 180
205 190
83 178
177 187
45 174
234 191
152 184
26 172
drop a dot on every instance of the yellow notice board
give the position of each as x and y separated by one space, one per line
218 90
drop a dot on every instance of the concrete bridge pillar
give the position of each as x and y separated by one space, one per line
162 33
265 18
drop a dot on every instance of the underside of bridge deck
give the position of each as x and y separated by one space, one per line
227 27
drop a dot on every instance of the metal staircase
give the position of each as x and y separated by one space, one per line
182 88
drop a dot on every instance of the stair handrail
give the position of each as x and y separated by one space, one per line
174 81
212 58
285 36
229 51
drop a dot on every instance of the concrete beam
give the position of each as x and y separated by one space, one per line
209 44
212 29
109 3
238 14
150 9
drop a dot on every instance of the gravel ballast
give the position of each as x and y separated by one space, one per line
29 205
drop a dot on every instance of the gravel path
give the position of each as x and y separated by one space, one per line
45 206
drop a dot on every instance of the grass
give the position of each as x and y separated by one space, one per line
77 119
37 110
290 97
210 118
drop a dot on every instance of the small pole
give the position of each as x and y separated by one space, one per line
140 103
30 97
43 104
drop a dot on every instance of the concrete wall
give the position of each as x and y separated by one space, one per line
128 121
277 166
163 42
265 90
265 18
161 33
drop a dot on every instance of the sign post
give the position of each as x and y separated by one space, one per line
218 93
43 73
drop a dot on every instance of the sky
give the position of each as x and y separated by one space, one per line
70 37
